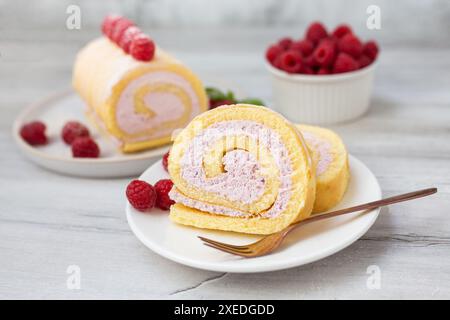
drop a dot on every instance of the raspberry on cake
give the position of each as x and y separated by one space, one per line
136 93
142 48
119 28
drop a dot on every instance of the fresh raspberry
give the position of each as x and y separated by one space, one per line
310 61
344 63
119 28
351 45
109 23
341 30
217 103
364 61
165 161
370 49
315 32
323 71
73 130
325 53
85 147
273 52
162 188
34 133
308 70
285 43
305 47
277 62
142 48
141 195
128 36
291 61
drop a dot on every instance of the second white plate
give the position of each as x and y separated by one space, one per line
306 244
55 111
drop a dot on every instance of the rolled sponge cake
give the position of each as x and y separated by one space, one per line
137 103
332 170
241 168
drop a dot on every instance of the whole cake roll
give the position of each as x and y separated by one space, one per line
332 170
241 168
138 103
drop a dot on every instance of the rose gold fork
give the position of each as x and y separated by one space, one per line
270 242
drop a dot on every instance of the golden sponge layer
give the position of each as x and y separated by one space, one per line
332 178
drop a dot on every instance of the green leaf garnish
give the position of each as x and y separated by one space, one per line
254 101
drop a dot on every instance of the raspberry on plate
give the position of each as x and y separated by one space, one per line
324 53
273 52
341 30
344 63
119 28
285 43
73 130
351 45
291 61
34 133
370 49
162 188
142 48
109 23
315 32
305 47
165 160
141 195
85 147
128 36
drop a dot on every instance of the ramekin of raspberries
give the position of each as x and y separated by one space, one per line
324 77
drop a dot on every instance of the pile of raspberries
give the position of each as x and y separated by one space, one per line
128 37
321 53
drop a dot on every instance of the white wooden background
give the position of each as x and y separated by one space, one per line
49 221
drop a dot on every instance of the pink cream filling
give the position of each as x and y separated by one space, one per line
323 147
165 105
242 180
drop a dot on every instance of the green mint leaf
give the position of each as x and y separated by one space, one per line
215 94
254 101
230 96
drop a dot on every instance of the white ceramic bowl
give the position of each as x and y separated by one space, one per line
322 99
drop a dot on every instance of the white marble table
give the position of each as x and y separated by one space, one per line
49 222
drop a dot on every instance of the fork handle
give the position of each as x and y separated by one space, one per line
367 206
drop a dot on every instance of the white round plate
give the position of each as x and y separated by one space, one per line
55 111
304 245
